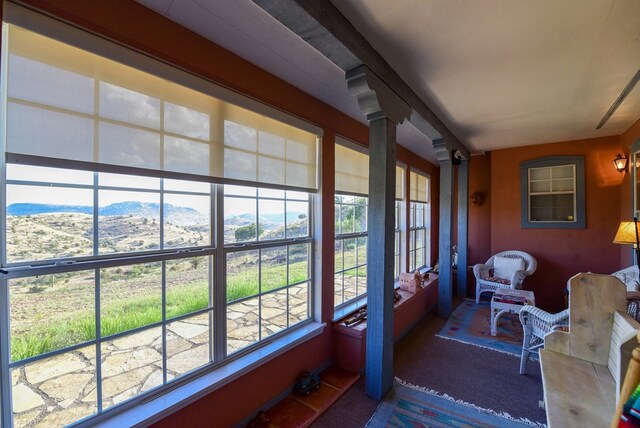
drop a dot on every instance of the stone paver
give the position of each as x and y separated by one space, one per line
53 367
115 385
25 418
65 417
25 399
15 377
187 330
189 360
120 363
143 338
67 387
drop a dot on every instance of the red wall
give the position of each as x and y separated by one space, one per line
561 253
480 215
629 137
136 26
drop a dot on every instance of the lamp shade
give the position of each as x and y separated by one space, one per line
626 233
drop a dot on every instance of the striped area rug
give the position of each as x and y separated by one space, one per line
408 406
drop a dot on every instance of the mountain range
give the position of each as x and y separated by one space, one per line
174 214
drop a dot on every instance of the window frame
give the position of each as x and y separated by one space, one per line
356 236
216 252
413 231
577 163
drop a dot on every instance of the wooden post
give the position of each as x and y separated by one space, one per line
463 228
445 279
380 258
384 110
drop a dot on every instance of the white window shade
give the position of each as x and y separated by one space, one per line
69 104
352 171
419 187
399 183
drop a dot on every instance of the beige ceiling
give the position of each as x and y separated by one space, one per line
499 73
504 73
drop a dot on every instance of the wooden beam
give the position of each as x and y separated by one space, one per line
322 25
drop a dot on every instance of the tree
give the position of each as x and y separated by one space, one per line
195 262
246 233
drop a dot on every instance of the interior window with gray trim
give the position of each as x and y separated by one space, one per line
553 192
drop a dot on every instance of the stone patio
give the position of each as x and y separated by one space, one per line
62 389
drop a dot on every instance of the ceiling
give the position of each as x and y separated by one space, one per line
498 73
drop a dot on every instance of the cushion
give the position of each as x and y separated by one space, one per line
505 267
629 277
495 279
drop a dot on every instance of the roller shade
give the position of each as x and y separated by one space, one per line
399 183
65 103
352 169
419 187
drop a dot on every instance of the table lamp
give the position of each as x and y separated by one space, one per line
628 234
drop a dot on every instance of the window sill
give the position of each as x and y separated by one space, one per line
353 306
350 307
148 412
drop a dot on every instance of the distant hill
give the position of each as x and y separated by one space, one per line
174 214
33 209
180 216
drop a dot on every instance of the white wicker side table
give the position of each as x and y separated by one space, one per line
499 307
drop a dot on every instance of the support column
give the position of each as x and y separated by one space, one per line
445 279
384 110
463 228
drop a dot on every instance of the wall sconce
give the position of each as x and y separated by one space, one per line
620 163
477 198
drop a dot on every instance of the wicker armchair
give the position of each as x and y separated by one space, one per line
535 324
486 281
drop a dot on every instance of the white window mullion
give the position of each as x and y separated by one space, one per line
6 420
219 284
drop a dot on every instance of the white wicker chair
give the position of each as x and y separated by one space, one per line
485 282
535 324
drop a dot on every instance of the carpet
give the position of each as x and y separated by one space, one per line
409 406
471 323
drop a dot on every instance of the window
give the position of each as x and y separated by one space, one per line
352 189
350 248
553 192
266 234
132 257
417 236
418 222
397 252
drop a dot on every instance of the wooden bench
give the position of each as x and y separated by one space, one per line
583 369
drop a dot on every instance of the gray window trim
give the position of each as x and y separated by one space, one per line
578 163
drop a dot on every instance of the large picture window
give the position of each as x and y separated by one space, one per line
151 232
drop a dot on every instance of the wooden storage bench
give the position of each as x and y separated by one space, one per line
583 369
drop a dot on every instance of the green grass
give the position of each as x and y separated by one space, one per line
136 312
244 282
116 317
